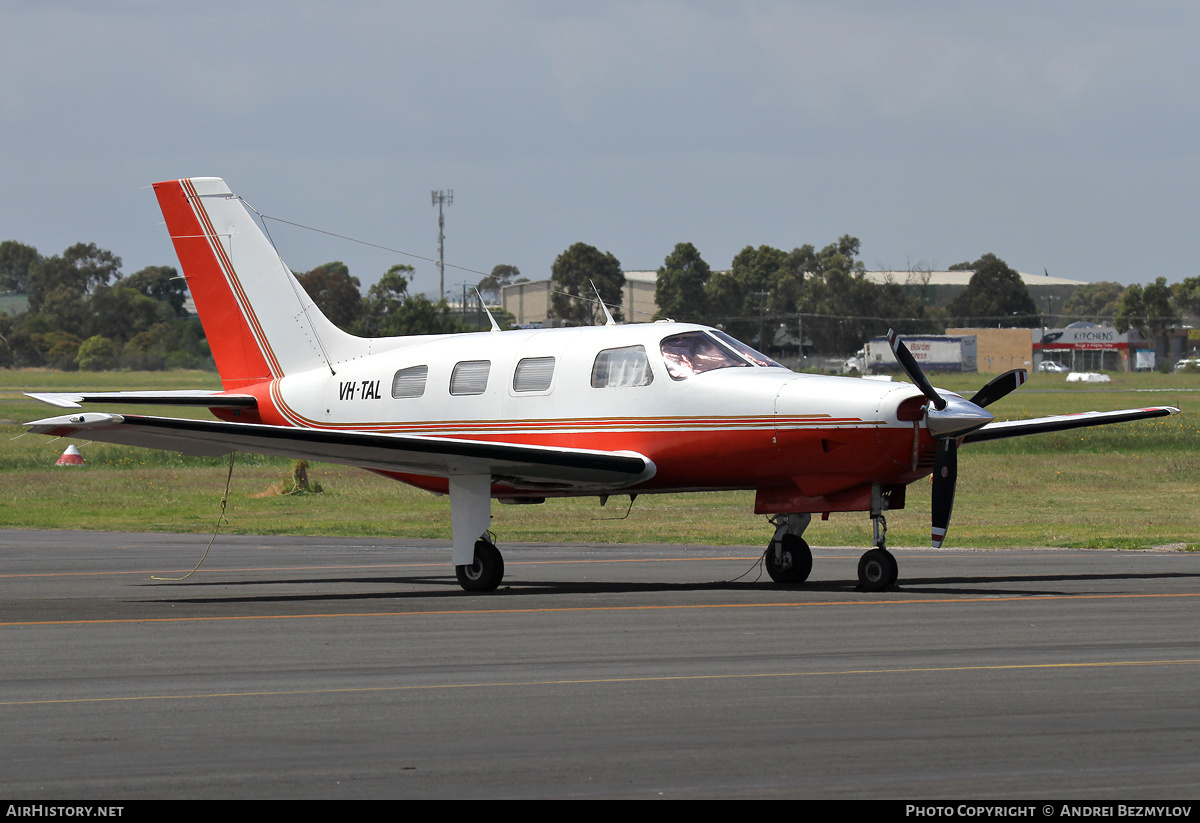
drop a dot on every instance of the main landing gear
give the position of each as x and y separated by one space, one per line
487 570
789 560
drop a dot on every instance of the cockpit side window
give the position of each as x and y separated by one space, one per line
617 368
694 352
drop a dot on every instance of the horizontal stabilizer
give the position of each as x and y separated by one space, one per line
184 397
532 467
1063 422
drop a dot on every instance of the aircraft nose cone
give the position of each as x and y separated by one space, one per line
958 418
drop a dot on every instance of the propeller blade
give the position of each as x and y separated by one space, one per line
909 363
945 476
997 387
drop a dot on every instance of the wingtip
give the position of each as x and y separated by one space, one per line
61 399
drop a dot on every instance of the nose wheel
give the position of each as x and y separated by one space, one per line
788 560
877 570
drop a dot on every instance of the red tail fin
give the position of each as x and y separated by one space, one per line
235 349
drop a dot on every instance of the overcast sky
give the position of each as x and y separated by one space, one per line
1059 136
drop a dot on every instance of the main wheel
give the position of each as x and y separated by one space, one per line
485 574
794 562
877 570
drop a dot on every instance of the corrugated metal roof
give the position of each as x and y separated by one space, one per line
960 278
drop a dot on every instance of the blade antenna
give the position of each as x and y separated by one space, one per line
486 310
608 317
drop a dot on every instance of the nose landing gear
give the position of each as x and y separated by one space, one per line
788 558
877 569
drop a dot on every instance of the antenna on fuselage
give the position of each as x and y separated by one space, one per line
486 310
609 318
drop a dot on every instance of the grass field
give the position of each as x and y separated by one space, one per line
1127 486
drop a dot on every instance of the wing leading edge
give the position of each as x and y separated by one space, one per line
183 397
532 467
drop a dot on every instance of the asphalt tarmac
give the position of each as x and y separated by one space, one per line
344 668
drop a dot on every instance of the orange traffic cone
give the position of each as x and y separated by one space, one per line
71 457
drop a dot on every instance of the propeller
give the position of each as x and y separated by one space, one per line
949 418
997 387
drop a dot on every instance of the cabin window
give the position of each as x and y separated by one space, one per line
534 374
410 382
695 352
470 377
616 368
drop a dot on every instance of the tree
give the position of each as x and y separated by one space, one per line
161 283
383 300
79 270
995 294
65 309
16 261
571 278
119 312
1186 295
501 276
176 343
96 354
1093 302
843 308
335 292
1149 310
681 288
420 315
390 311
740 298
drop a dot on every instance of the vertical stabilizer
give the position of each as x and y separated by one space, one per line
259 321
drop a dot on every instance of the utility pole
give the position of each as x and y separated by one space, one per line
440 199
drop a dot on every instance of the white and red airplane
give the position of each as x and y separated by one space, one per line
524 415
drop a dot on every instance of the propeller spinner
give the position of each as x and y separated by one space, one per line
947 419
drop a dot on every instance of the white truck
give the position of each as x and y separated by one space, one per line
934 352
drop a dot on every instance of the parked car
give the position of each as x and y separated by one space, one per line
1188 363
1052 367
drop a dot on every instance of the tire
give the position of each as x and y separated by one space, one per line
877 570
794 563
485 574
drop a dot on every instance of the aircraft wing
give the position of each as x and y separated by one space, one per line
526 467
184 397
1062 422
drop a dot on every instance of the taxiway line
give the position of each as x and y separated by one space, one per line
578 609
604 680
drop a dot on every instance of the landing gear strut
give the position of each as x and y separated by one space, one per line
877 569
487 570
788 558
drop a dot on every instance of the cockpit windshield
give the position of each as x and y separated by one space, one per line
694 352
755 357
